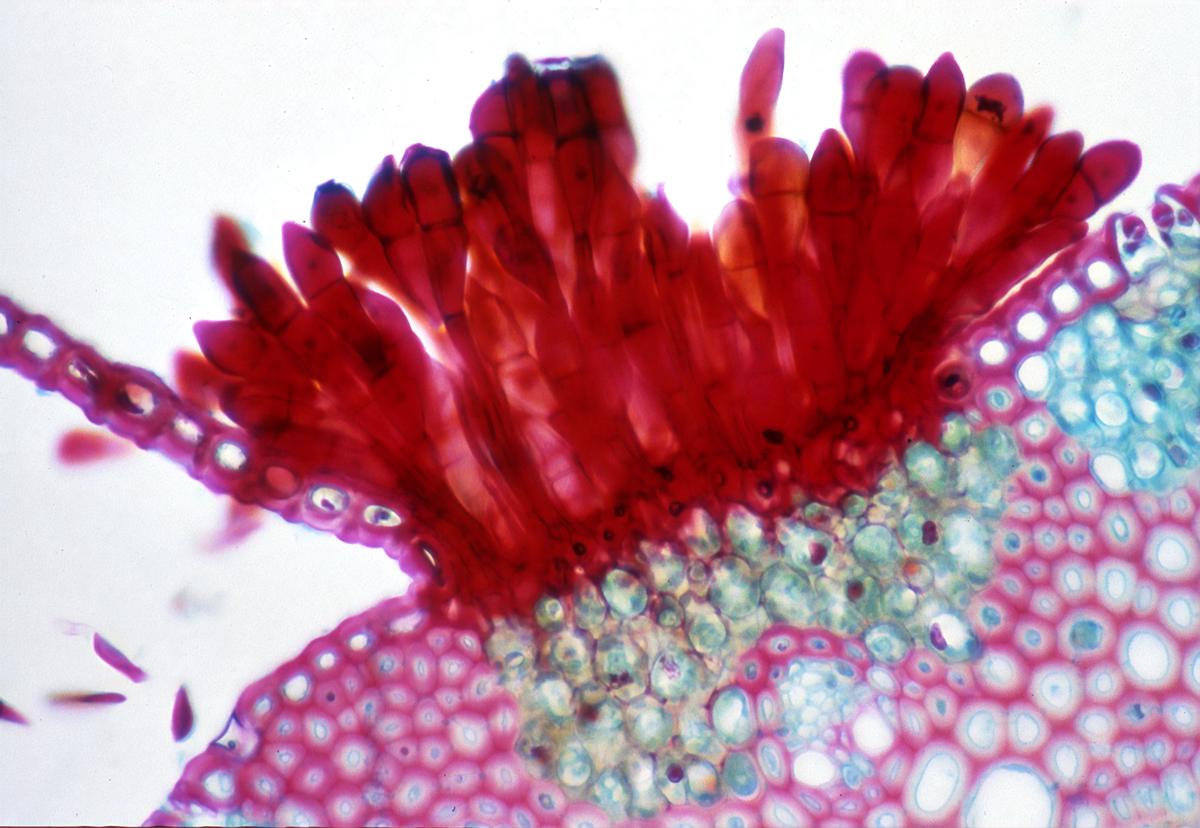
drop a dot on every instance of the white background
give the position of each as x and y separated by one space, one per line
124 127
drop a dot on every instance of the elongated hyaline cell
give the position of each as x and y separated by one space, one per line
875 506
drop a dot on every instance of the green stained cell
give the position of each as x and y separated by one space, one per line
740 775
967 543
976 480
1069 350
746 535
999 449
701 533
910 529
888 642
733 716
699 577
590 609
670 776
665 566
818 514
916 573
1111 410
733 590
648 723
549 614
705 629
570 654
875 546
703 782
639 773
854 505
956 434
511 650
804 549
624 593
843 618
926 467
552 696
620 665
954 588
667 612
535 742
745 631
574 766
695 734
611 792
892 489
900 600
1086 634
600 721
675 674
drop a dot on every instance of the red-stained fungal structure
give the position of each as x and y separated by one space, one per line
183 720
875 505
80 446
116 659
9 713
74 699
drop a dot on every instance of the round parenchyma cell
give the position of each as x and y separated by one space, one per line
936 784
1172 555
1011 794
1149 657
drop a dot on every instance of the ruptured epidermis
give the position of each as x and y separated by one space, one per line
640 689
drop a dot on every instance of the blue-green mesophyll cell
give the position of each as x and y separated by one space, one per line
549 614
574 766
733 716
705 629
649 723
888 642
875 546
620 665
746 535
570 654
805 549
611 792
926 467
703 782
624 593
787 596
590 609
740 775
665 566
675 674
733 589
667 611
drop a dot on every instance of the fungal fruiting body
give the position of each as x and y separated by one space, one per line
872 507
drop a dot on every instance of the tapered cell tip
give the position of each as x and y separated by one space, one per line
10 714
183 720
114 658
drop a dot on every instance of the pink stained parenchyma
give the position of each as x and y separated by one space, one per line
1053 672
